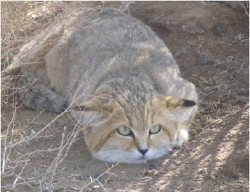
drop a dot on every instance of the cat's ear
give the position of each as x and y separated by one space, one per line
171 102
96 105
94 112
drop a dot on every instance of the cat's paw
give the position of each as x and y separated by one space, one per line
181 138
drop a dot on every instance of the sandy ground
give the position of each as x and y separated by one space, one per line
45 152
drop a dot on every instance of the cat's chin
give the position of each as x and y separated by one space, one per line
102 156
125 161
132 158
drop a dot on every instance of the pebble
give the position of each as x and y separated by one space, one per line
236 177
219 30
151 167
203 60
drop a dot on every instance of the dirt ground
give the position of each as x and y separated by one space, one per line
210 42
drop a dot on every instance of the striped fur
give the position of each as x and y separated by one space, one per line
114 71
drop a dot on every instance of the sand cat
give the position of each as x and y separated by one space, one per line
119 79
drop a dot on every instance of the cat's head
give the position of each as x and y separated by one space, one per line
135 131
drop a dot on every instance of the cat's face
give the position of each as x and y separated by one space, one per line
135 134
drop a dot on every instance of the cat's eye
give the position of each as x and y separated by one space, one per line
155 129
124 131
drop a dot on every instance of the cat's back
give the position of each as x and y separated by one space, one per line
112 42
83 50
103 44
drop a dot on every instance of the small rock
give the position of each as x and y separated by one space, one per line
203 60
236 177
194 27
151 167
145 172
151 170
219 29
177 162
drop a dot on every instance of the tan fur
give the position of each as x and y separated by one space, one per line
115 72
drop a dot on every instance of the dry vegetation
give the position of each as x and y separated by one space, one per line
45 152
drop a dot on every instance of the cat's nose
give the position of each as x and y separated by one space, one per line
143 151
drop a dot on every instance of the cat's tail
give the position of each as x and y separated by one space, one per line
23 70
36 96
28 67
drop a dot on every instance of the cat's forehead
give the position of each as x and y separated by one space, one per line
139 117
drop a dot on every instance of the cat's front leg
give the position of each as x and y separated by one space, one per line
182 137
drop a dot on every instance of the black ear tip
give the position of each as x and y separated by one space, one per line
188 103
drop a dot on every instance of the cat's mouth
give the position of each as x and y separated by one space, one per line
142 158
133 157
112 157
139 160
